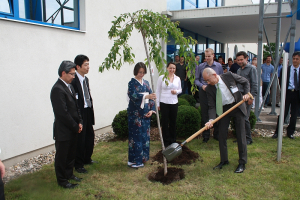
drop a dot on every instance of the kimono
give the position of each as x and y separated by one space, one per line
138 124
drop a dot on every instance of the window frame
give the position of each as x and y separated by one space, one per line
14 15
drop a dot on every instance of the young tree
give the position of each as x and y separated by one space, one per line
153 27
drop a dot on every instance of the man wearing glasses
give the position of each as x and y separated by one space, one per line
67 124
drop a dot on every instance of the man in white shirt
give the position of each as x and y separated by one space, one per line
226 84
85 143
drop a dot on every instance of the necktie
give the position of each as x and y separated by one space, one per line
86 94
295 80
69 86
219 105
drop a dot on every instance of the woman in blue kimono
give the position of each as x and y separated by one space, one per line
140 108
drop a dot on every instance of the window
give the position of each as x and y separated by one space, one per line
211 44
174 4
5 6
190 4
212 3
61 13
201 46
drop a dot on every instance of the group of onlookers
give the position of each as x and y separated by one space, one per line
218 91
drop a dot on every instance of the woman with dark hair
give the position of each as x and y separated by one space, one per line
140 108
167 102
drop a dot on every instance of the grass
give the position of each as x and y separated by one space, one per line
264 177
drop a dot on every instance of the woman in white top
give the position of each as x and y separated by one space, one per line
167 103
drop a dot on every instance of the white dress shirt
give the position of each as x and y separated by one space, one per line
227 97
81 78
163 91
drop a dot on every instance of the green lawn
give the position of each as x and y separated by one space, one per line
264 177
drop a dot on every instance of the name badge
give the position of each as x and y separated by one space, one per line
234 89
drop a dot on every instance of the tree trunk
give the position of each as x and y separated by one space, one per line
157 113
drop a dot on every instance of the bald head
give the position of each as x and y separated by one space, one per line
208 71
210 76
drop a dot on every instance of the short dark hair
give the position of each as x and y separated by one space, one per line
170 63
297 53
269 56
229 59
79 59
65 66
138 66
242 53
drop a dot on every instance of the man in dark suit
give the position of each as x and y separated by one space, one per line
67 124
292 96
85 143
222 94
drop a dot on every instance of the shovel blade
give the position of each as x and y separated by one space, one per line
172 151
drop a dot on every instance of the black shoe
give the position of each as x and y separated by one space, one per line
269 104
240 168
291 137
275 136
81 170
75 178
205 140
91 162
277 105
265 106
220 165
249 142
69 185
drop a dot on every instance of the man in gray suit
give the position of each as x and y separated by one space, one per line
222 94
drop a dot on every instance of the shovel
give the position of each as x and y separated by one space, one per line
175 149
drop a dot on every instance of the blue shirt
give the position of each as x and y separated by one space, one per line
267 70
291 81
279 70
199 81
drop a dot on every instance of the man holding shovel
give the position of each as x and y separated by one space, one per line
222 94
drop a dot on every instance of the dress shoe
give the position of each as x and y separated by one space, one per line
69 185
220 165
81 170
75 178
249 142
277 105
265 106
205 140
240 168
91 162
275 136
291 137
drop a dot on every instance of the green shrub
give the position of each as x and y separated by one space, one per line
199 110
120 124
183 102
252 120
189 98
188 121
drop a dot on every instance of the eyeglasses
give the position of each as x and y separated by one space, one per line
72 74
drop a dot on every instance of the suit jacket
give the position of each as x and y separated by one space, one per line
230 80
78 90
66 112
288 77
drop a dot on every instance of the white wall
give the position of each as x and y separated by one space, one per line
252 47
30 57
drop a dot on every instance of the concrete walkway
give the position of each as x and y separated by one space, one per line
270 121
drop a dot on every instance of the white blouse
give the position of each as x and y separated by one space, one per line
163 91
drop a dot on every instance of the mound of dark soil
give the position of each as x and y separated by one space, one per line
187 157
174 174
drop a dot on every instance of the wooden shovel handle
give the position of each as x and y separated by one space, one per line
217 119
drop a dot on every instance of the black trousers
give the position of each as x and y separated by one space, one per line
168 122
85 142
240 134
65 159
291 99
204 115
1 189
